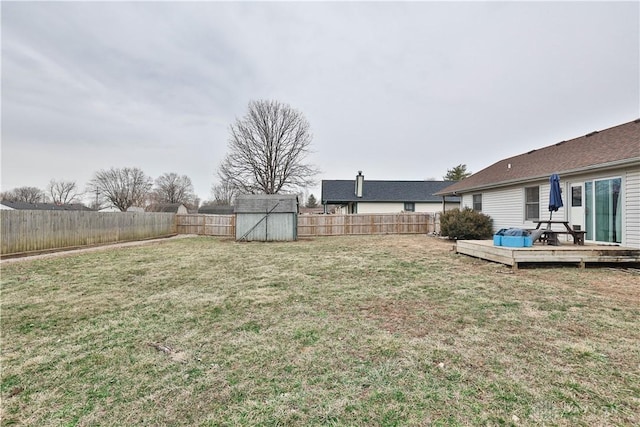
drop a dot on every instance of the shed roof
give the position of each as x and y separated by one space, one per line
343 191
615 146
164 207
216 209
263 203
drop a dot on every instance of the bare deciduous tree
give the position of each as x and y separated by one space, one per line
63 192
25 194
123 188
174 188
267 150
223 194
93 198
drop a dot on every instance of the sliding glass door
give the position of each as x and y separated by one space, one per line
603 216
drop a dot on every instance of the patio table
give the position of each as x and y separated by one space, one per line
551 236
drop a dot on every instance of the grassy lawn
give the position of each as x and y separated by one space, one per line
357 331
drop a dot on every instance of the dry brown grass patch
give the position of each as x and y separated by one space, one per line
371 330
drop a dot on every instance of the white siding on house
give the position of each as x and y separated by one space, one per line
368 207
435 207
467 201
506 205
632 207
390 207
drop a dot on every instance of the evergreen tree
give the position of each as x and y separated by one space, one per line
457 173
312 202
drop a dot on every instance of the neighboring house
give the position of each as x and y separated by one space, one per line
360 196
178 208
600 181
42 206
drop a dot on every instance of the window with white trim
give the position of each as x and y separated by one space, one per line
531 203
477 202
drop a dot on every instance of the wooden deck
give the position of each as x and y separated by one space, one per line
565 253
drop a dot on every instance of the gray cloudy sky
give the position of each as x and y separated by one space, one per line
399 90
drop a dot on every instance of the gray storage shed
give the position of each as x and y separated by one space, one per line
266 217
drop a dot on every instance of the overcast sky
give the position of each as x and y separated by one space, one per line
401 91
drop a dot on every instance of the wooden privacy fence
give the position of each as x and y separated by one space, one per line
340 225
208 225
32 231
321 225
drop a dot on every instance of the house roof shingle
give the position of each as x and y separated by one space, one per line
617 145
343 191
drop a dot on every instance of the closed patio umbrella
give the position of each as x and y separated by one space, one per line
555 195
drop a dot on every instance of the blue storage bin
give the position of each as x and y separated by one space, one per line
513 238
513 241
497 238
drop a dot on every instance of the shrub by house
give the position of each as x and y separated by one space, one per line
466 224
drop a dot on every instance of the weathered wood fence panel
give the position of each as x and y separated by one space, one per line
29 231
208 225
321 225
338 225
33 231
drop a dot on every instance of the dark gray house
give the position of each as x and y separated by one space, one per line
361 196
266 217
